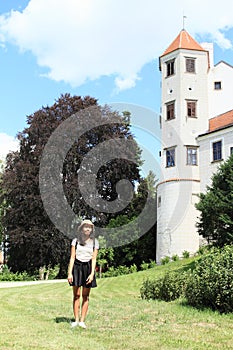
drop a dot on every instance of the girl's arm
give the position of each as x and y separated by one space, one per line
93 266
71 264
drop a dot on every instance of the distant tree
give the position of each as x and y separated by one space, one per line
34 241
216 207
142 247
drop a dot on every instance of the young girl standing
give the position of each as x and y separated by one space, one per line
81 270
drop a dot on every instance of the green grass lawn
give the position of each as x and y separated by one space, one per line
38 317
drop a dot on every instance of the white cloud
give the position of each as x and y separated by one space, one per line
7 143
126 83
80 40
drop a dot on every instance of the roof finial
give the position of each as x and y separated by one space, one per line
184 17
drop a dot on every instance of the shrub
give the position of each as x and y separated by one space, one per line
165 260
175 257
152 264
185 254
7 275
148 265
170 287
211 283
120 270
144 265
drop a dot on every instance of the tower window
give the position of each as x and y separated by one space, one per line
191 155
191 109
190 65
170 68
217 85
231 150
170 110
217 151
170 157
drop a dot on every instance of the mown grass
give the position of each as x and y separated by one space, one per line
38 317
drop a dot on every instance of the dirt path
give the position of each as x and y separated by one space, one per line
28 283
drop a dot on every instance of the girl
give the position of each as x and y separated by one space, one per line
81 270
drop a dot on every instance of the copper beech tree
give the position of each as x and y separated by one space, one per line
33 241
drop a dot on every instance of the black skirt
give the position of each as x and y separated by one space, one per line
81 271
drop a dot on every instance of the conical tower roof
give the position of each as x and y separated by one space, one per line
183 41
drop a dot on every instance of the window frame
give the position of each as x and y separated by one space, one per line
170 68
169 110
216 85
170 158
193 108
189 157
217 153
190 62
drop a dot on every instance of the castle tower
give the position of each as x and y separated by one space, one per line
184 70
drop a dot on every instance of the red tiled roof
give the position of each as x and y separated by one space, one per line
221 121
183 41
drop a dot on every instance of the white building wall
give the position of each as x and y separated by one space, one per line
220 101
207 166
177 216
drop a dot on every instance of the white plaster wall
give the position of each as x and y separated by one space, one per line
177 216
220 101
207 166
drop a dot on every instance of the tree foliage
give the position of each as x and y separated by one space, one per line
216 207
143 246
33 239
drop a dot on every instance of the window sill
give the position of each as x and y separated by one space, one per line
216 161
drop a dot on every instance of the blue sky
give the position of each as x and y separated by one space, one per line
102 48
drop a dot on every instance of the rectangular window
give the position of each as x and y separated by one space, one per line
217 85
217 151
231 150
191 109
191 155
170 157
159 201
170 110
170 68
190 65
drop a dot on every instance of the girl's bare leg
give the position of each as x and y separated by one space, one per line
85 302
76 302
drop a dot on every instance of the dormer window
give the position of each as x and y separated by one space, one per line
190 65
170 68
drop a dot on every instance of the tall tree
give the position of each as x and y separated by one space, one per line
216 207
33 239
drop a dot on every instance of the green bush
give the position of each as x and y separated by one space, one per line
170 287
120 270
175 257
211 283
185 254
144 265
165 260
7 275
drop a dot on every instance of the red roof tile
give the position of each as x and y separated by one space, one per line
183 41
221 121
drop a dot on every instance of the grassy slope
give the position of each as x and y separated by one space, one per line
37 317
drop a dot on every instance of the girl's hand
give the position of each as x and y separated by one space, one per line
70 279
89 278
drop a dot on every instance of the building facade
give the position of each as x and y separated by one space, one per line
194 94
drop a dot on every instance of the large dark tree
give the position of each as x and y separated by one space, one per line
34 240
216 207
